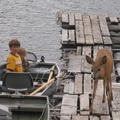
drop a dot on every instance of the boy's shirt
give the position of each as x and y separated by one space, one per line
15 63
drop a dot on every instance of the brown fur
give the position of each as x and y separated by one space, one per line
102 69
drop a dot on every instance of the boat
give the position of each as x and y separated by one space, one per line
40 73
15 103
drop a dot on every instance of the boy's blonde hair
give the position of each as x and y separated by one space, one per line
22 51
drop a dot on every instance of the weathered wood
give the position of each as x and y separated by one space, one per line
94 118
69 105
107 40
78 16
103 26
87 84
96 31
79 32
114 34
78 84
89 40
86 67
66 86
113 20
86 20
74 63
87 30
64 36
95 50
115 28
105 118
98 106
78 50
116 101
84 104
65 117
118 71
71 37
65 20
78 117
115 40
71 20
93 16
71 87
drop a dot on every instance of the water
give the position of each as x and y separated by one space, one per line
33 23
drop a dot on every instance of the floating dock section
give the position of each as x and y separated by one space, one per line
84 34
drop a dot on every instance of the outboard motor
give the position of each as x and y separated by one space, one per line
42 59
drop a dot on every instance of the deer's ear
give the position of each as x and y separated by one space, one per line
89 60
104 60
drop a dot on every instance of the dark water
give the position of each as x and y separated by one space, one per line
33 23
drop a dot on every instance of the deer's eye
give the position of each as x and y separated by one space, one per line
98 69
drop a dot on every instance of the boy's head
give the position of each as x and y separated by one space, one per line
22 52
14 43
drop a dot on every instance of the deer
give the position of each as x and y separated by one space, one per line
102 68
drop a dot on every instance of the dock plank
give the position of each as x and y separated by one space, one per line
116 101
64 36
71 38
69 105
86 67
78 117
113 20
78 84
107 40
98 106
84 104
97 36
103 26
87 84
78 16
71 20
94 118
71 86
74 63
89 40
80 39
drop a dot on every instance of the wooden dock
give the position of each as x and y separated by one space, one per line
84 34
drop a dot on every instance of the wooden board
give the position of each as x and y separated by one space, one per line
71 20
113 20
98 106
103 26
78 16
78 117
69 105
86 67
80 39
71 86
87 84
64 36
78 50
94 118
116 101
71 36
84 104
89 40
74 63
78 84
107 40
96 31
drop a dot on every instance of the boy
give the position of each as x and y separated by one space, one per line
25 64
13 58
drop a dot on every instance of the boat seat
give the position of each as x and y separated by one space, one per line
17 82
32 58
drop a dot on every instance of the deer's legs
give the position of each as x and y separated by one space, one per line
94 93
